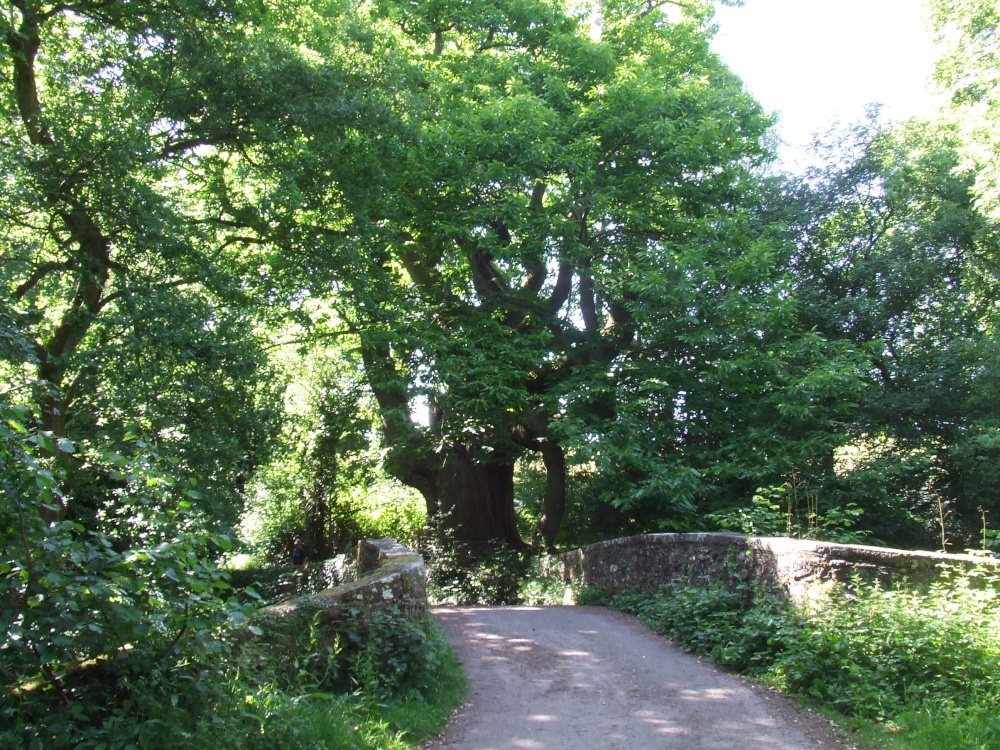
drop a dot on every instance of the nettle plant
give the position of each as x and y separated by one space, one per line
793 510
868 652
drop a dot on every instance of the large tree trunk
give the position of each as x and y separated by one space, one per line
555 492
469 501
473 502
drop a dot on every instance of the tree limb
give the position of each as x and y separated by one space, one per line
486 279
562 288
407 460
588 306
535 263
24 45
40 273
421 266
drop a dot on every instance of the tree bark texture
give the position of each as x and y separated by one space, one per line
474 501
88 251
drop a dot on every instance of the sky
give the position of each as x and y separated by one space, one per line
816 61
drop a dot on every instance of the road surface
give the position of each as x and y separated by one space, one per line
573 678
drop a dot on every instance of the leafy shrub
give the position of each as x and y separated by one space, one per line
540 588
312 683
82 609
390 510
318 687
271 584
878 652
382 510
793 511
377 652
710 615
125 637
741 628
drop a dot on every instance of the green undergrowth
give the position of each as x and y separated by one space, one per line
387 684
471 574
905 670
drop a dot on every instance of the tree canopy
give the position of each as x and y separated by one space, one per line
541 178
966 73
548 226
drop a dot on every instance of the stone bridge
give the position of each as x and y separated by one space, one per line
392 576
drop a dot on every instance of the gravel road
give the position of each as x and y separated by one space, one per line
561 678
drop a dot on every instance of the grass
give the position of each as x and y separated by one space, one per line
904 670
425 711
350 722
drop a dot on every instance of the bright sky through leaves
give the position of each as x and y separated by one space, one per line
815 61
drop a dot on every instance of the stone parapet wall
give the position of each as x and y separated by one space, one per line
390 577
797 568
284 581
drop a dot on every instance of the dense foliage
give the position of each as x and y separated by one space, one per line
895 262
131 636
388 685
966 72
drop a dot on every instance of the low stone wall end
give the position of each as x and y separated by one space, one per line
390 577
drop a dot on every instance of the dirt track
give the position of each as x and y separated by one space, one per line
561 678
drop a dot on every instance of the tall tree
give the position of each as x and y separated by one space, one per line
130 295
730 390
538 178
896 260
